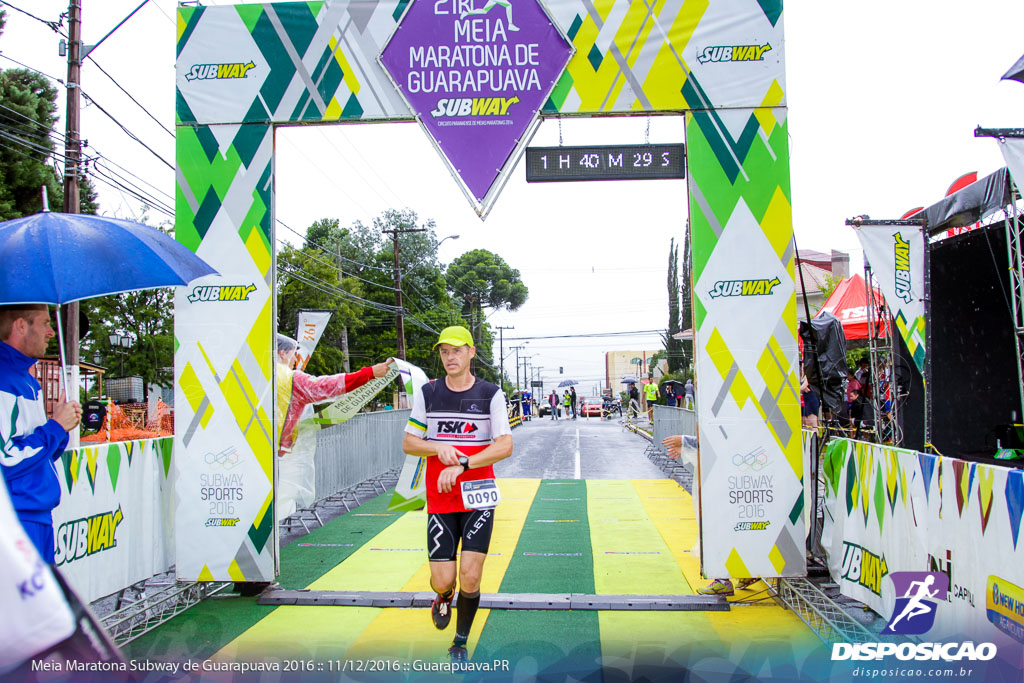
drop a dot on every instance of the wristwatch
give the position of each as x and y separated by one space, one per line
464 461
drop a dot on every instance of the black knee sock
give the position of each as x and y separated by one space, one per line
465 612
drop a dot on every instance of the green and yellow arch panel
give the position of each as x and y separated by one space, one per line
244 69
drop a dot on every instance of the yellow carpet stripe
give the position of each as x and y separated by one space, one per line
651 567
624 634
409 634
394 559
670 509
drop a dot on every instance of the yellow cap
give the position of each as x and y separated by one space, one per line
457 335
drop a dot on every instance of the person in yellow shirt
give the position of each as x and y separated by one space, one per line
651 395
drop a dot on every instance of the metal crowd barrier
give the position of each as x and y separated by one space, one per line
365 447
669 421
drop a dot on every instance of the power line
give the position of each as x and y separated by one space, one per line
26 66
589 335
132 98
55 25
130 134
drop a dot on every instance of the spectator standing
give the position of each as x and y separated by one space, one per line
809 404
553 402
853 393
29 441
634 400
574 402
670 394
651 394
689 393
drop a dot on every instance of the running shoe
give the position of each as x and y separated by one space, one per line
743 584
458 655
717 587
441 611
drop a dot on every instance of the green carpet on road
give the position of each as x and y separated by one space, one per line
213 623
553 556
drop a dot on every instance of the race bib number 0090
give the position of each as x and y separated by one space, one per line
480 494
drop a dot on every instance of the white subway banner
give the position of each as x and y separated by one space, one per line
896 254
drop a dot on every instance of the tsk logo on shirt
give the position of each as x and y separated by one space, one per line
456 427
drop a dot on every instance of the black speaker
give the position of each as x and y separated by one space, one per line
93 413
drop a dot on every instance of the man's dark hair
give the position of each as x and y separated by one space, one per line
12 312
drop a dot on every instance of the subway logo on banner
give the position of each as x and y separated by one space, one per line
862 566
743 287
221 293
209 72
733 53
901 253
473 106
87 536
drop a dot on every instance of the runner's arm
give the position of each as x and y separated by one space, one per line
419 447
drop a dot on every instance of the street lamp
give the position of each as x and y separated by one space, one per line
119 342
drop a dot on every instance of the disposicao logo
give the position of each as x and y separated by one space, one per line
209 72
733 53
473 106
918 595
743 287
87 536
901 254
221 293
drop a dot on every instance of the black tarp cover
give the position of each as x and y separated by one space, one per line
830 356
976 201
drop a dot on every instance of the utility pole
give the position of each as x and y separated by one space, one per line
400 318
72 159
501 352
517 362
525 358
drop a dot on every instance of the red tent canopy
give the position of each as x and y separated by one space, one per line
849 303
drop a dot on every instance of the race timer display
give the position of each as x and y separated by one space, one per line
605 162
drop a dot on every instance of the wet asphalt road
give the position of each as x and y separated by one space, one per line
547 449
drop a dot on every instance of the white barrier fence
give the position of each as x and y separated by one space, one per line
669 421
114 526
364 447
892 510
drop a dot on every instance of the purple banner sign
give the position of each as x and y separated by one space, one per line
476 73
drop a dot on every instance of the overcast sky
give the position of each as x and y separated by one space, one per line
883 98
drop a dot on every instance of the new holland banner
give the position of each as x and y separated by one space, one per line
310 328
410 491
896 254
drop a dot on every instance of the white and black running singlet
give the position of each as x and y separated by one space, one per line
470 420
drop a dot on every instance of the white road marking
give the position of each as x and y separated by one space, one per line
577 453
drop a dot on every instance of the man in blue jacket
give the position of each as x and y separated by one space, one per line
29 442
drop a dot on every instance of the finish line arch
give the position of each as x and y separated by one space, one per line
243 70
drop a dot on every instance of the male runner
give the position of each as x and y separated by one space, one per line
460 425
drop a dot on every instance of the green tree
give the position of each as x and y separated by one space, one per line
308 278
28 105
831 282
673 346
480 278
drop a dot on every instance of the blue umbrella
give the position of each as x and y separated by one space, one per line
567 383
57 258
